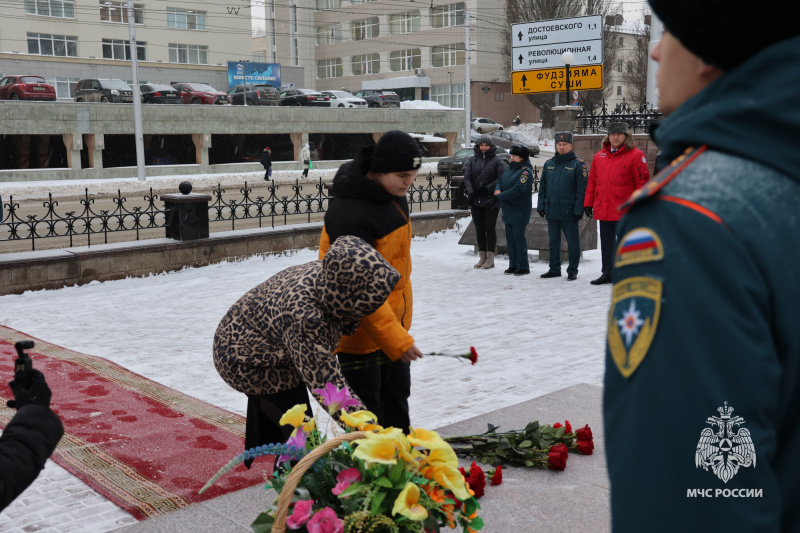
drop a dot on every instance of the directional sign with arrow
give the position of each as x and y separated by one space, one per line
539 45
584 78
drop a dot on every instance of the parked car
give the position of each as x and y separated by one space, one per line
379 98
485 125
344 99
305 97
455 163
507 139
26 88
256 95
103 90
200 93
153 93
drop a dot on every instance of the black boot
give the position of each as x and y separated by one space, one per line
522 272
602 280
510 270
572 277
551 274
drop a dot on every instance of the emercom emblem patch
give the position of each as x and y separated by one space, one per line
639 245
632 321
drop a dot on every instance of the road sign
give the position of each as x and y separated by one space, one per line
539 45
584 78
574 94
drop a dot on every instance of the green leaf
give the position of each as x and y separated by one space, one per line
384 482
476 523
526 444
529 463
353 488
396 473
377 501
263 523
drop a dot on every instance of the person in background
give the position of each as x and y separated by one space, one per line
561 191
370 202
618 169
278 339
29 439
515 192
517 121
305 155
481 174
266 162
703 335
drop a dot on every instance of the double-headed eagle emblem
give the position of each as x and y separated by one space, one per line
727 449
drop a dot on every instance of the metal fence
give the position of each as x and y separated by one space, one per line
639 120
95 225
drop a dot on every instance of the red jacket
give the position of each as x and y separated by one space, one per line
613 177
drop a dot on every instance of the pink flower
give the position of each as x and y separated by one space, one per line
335 399
298 440
300 515
344 479
325 521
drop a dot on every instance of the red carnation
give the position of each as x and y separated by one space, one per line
473 355
584 433
557 425
557 457
569 427
586 447
476 480
497 478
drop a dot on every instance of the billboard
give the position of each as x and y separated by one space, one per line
254 74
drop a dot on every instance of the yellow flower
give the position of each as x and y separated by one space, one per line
358 419
377 449
423 437
445 456
449 477
407 503
310 425
294 416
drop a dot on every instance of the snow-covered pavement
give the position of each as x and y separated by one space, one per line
534 336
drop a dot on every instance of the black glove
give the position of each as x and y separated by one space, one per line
38 394
471 198
588 211
577 217
541 213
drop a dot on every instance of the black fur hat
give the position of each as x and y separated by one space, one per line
564 137
617 127
725 33
521 151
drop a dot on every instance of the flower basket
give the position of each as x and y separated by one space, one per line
299 469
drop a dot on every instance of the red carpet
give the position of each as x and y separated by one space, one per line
142 445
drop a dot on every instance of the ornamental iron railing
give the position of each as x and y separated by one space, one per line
91 225
639 120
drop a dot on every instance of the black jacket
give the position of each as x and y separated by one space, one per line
482 172
26 443
266 159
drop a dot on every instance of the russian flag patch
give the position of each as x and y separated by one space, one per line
639 245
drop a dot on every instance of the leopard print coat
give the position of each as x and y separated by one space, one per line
283 332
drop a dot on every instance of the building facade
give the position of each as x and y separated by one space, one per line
66 40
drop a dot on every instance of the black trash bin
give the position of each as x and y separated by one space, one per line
458 195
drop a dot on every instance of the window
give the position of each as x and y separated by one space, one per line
188 53
449 15
448 95
622 41
52 45
366 64
365 28
499 96
330 68
295 53
329 34
619 65
406 22
118 12
630 67
65 87
619 90
259 57
405 60
448 55
119 49
328 4
51 8
186 19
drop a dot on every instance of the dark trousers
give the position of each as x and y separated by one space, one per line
570 229
382 384
517 246
264 414
305 172
485 219
608 244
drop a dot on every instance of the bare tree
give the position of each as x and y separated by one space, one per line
636 76
533 10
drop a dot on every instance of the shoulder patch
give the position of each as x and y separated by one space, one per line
664 176
632 321
640 245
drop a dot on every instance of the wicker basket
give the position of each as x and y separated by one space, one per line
285 499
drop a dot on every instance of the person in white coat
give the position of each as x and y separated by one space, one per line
305 156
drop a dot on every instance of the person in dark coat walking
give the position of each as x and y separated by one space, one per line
618 169
29 438
481 174
561 190
703 343
266 161
515 192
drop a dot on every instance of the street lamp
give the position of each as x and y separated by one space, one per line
451 88
567 58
